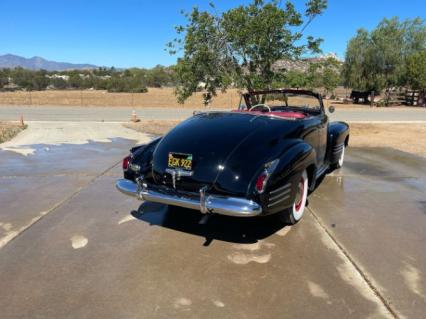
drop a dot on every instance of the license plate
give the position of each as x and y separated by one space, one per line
180 160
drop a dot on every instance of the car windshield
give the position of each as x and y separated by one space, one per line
283 100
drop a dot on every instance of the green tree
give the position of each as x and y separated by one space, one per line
158 76
330 75
295 79
4 77
39 80
240 46
59 83
75 80
376 60
415 75
22 78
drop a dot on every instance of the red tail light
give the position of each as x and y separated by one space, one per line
126 162
261 182
262 179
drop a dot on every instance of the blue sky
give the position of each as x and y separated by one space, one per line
130 33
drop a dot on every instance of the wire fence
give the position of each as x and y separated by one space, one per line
155 97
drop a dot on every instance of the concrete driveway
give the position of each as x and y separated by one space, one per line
74 247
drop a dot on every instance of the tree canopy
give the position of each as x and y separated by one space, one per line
111 79
376 60
323 73
239 47
415 75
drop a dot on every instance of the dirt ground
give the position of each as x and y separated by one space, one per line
410 138
9 130
154 127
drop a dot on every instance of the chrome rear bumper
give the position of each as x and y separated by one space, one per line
230 206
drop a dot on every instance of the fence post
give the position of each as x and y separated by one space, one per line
372 99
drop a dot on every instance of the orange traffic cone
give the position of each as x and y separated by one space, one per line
134 117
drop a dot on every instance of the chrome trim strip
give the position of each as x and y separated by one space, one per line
230 206
278 201
340 146
321 171
272 198
280 188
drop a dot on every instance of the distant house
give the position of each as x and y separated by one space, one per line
10 87
59 76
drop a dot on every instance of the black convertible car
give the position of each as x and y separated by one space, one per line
261 159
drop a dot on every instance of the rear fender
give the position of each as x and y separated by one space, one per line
141 159
338 137
285 178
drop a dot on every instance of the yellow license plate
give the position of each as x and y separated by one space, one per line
180 160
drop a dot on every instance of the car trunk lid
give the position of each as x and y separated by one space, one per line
210 138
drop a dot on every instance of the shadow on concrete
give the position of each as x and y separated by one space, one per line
223 228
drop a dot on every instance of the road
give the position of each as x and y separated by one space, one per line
74 247
121 114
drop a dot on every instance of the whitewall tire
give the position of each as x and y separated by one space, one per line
295 213
339 163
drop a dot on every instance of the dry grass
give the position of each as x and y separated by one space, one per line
9 130
155 97
410 138
154 127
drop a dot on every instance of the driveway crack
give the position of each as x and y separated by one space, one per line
14 234
358 269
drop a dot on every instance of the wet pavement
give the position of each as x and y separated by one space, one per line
74 247
375 207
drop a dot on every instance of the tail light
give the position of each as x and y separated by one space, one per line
126 161
261 182
263 177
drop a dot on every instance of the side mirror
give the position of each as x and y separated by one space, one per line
331 109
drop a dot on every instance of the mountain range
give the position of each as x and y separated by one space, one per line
37 63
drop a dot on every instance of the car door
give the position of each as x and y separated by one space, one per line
310 134
322 139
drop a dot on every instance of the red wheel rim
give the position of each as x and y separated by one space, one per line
300 194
